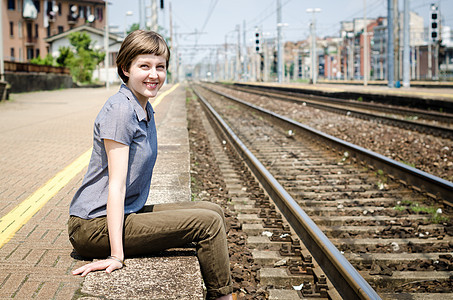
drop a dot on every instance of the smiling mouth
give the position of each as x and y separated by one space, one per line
151 85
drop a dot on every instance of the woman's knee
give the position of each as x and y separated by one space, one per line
212 206
211 221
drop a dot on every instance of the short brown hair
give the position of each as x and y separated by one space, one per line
140 42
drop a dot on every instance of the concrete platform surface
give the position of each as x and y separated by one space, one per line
40 134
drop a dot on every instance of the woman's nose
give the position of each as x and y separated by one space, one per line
152 73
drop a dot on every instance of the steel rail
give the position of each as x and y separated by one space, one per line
440 131
402 100
431 115
437 187
346 279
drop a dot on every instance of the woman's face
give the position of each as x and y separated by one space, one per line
146 74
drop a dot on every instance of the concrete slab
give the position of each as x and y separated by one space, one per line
280 277
283 295
174 275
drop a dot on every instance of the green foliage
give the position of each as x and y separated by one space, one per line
434 213
46 61
81 59
133 27
408 163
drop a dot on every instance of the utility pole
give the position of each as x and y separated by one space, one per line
238 53
365 46
172 46
406 52
265 60
225 67
140 15
279 42
154 25
390 47
2 63
314 63
244 39
396 43
106 45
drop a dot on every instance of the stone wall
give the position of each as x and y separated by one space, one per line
28 82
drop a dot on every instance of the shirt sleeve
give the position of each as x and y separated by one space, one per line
118 123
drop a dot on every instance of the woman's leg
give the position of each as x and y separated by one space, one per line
170 226
186 205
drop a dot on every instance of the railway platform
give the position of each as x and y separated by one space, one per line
46 139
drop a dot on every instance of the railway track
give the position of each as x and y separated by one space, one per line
370 216
429 122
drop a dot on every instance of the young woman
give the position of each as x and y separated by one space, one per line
108 216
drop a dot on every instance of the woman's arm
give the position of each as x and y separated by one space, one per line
118 157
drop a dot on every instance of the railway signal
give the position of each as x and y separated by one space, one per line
434 23
257 42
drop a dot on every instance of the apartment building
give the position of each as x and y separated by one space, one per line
26 23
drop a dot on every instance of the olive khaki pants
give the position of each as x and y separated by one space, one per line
163 226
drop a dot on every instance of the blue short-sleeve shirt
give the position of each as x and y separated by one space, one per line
123 120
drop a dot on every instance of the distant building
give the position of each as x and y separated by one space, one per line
97 39
379 46
26 24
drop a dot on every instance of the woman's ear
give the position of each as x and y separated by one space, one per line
125 72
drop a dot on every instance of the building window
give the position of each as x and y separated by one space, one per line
59 8
12 4
29 53
48 30
60 29
37 5
12 54
29 32
36 30
11 28
19 29
37 53
99 13
82 12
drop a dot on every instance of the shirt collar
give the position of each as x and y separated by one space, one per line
141 115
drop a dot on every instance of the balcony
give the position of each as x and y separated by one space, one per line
51 17
31 41
72 19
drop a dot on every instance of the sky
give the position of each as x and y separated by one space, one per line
209 23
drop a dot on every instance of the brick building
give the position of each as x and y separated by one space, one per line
26 23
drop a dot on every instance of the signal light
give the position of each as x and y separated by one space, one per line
434 23
257 42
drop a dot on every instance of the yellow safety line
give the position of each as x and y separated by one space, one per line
22 213
161 96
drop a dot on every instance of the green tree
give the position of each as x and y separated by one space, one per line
81 59
133 27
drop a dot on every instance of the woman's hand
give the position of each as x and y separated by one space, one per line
109 265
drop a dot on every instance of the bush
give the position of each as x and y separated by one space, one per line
46 61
